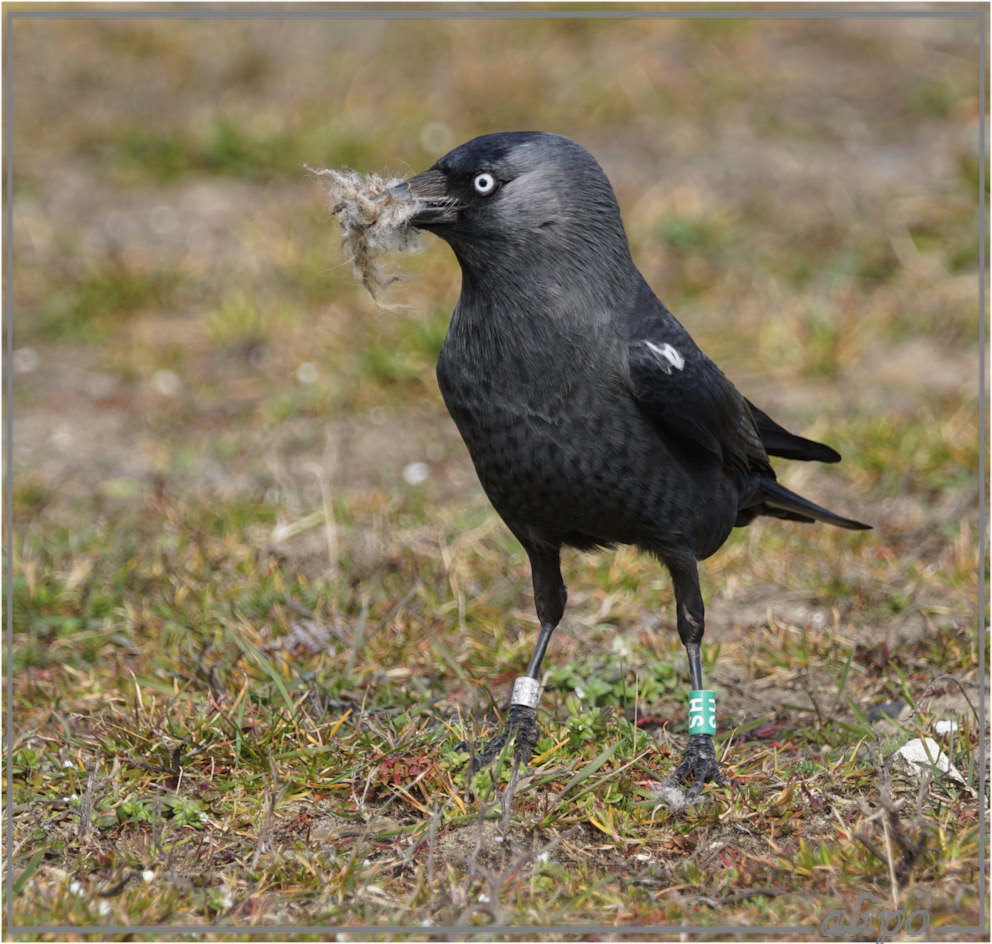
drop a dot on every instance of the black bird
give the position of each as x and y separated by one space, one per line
591 416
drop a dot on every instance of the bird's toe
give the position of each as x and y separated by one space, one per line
697 768
523 721
520 727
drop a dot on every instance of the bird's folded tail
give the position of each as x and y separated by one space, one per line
780 498
778 441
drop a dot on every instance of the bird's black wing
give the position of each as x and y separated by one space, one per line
686 396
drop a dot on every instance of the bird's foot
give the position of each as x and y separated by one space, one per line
697 767
520 727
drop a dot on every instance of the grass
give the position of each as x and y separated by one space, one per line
239 720
94 303
247 646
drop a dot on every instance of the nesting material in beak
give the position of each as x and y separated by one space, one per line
375 219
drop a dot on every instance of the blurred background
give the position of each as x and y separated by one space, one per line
217 431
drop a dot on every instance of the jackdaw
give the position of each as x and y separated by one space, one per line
591 416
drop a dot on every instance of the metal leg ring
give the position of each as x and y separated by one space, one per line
526 692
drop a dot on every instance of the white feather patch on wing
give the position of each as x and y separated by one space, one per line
666 355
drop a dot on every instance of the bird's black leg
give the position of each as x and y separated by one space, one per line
699 763
521 719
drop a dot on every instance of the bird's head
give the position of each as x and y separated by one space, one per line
502 197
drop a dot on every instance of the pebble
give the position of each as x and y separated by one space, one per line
416 473
923 753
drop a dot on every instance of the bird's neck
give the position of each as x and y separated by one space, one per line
572 283
532 331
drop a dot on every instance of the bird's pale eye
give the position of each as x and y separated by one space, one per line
484 184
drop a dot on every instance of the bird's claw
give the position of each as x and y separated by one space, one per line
697 767
521 727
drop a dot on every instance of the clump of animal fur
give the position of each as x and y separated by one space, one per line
373 221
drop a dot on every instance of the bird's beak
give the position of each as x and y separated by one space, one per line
430 192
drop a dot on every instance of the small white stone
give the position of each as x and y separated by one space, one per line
924 753
307 373
26 359
63 439
416 473
103 908
166 382
147 875
945 727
